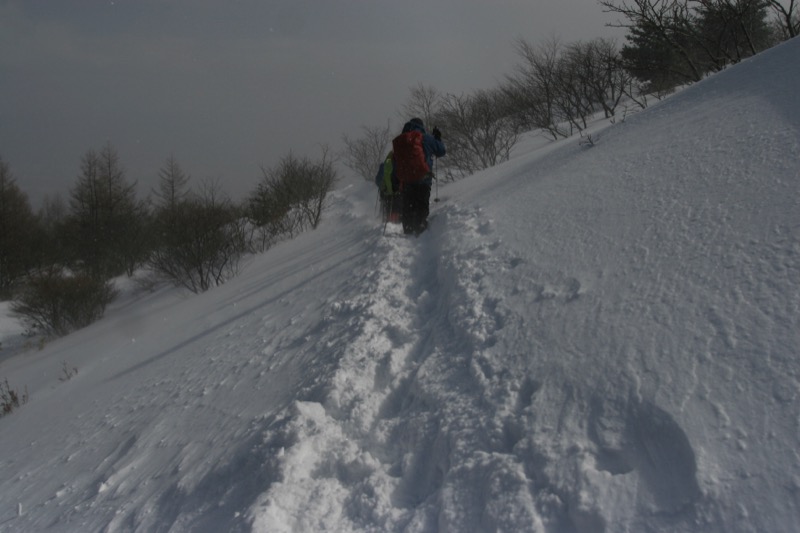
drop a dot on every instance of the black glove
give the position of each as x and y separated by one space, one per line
437 134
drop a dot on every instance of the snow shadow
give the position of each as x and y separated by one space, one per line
221 499
640 437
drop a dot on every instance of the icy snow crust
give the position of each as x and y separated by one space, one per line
587 339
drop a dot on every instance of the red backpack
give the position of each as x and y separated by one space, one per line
409 157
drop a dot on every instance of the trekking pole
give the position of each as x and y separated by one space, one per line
436 178
386 215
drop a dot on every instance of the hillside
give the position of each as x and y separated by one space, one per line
588 338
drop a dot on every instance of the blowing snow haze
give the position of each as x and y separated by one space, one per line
587 339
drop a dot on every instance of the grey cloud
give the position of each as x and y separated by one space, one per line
227 86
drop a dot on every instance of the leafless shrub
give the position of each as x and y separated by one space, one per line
57 303
363 154
479 131
290 198
10 398
202 239
67 373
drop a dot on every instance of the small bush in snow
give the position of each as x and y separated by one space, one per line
67 373
10 399
57 303
587 140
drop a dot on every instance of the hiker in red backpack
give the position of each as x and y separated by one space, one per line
413 151
389 190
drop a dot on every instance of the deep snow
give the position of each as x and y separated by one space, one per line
588 338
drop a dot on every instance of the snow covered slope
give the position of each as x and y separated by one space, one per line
587 339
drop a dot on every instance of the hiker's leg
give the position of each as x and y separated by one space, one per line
408 209
424 200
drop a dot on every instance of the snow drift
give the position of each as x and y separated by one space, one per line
587 339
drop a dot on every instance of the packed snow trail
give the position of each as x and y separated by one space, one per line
407 402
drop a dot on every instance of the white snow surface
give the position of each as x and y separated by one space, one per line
588 339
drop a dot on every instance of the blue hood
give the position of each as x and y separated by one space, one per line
411 126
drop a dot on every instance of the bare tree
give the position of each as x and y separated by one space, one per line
364 154
558 88
52 241
290 197
105 215
17 227
172 185
480 129
730 30
205 244
661 21
534 87
679 41
601 76
268 212
315 185
788 16
171 194
424 102
572 102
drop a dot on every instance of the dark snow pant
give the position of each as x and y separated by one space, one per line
416 206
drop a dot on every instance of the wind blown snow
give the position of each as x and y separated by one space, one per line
587 339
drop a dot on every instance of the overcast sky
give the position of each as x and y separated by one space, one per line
227 86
